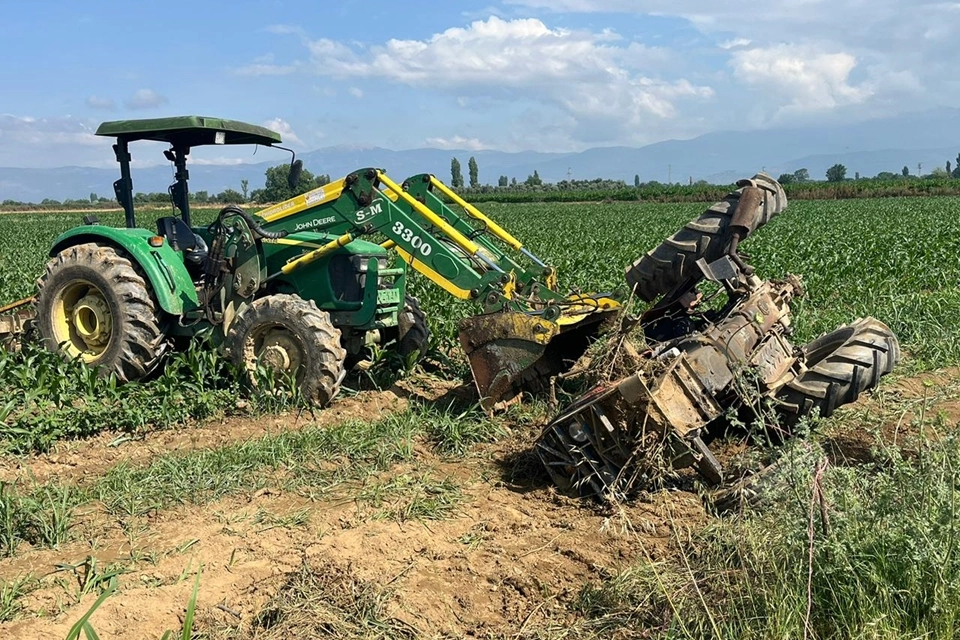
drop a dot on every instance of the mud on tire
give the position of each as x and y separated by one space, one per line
840 366
96 304
674 260
291 336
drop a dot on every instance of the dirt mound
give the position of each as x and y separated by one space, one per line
505 557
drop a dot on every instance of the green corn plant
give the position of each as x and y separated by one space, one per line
83 624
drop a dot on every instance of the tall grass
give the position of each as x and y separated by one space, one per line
877 557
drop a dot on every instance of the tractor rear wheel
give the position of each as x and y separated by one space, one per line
94 304
414 336
840 366
291 338
675 260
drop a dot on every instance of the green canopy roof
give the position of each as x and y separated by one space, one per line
189 131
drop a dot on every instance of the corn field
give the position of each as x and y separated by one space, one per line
893 258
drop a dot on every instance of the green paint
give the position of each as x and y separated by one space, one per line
163 266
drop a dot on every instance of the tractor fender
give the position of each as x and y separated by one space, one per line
163 267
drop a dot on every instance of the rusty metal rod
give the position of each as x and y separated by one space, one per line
17 304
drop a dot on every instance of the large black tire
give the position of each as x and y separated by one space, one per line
291 336
414 336
94 304
840 366
674 261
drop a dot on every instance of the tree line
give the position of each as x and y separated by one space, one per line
799 184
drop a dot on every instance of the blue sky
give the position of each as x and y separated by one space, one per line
547 75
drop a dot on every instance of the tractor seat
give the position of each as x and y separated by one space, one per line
182 238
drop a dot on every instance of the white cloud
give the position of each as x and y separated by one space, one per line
286 132
898 47
456 142
736 43
355 92
27 141
264 69
808 79
593 77
146 99
284 29
96 102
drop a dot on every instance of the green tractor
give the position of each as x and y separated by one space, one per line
305 287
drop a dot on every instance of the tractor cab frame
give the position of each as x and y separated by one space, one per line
182 133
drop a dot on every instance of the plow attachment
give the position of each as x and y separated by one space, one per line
15 319
512 351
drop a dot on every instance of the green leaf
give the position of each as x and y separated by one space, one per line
83 624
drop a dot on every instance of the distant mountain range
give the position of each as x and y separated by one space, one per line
926 138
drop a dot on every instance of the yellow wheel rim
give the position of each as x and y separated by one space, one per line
275 348
82 322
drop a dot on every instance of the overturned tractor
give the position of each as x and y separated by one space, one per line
707 357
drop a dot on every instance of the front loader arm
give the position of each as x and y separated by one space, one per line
527 328
430 240
469 261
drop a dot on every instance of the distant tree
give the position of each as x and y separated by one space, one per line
939 173
244 186
503 181
787 178
949 169
837 173
474 172
856 176
321 180
94 198
456 176
919 169
801 175
513 181
276 188
905 171
886 175
200 196
636 180
230 196
533 180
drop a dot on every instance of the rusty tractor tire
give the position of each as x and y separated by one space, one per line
291 337
840 366
674 261
94 304
414 334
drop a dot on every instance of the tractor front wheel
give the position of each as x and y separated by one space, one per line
292 340
94 304
414 332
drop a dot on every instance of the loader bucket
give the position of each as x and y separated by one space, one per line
512 351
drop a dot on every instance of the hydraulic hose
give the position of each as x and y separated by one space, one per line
255 228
